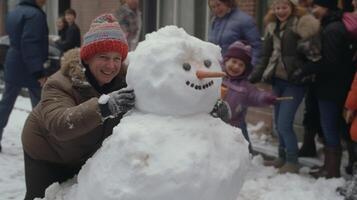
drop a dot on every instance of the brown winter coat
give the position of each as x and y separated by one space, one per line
66 126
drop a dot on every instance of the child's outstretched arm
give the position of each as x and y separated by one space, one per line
259 98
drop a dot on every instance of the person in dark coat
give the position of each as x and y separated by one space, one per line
80 106
72 37
230 24
333 79
237 91
311 119
27 54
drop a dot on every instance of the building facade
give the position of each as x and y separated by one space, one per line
192 15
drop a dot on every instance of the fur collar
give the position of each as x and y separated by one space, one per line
72 67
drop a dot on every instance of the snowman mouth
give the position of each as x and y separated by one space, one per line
200 87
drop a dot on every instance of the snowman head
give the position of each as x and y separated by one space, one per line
168 72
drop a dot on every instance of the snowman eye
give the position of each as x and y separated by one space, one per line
186 66
207 63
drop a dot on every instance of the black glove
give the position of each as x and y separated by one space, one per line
296 76
116 103
221 110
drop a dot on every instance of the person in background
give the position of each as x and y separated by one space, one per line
72 37
80 106
239 93
230 24
27 54
62 26
311 119
290 45
333 79
129 17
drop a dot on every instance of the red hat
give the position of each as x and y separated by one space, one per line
239 50
104 35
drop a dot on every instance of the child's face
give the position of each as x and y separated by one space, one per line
235 67
282 10
69 18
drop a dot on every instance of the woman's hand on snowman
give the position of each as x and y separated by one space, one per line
116 103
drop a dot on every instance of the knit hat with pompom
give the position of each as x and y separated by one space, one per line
104 35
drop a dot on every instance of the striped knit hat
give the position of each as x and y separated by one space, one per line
104 35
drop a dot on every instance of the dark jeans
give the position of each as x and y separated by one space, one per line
333 125
311 119
284 115
41 174
8 100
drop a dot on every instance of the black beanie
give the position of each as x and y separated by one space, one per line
330 4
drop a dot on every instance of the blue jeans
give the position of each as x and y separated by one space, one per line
8 100
332 122
284 112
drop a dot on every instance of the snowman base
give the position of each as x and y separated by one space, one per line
152 157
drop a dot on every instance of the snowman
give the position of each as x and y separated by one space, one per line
168 147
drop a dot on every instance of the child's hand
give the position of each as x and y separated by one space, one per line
270 99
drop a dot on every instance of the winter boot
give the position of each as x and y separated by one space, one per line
289 167
331 168
308 148
277 162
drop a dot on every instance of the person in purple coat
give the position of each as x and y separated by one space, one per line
240 93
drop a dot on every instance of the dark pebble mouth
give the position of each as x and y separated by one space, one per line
199 87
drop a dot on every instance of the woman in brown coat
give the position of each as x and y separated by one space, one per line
75 113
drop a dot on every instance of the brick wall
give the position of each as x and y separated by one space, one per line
248 6
88 10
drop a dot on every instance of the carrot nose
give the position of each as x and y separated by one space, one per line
201 74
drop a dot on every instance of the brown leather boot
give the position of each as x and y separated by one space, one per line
331 168
289 168
277 163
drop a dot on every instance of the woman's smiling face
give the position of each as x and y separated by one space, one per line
218 8
105 66
282 10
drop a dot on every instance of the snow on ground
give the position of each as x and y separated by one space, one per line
263 183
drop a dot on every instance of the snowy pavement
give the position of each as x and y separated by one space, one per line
263 183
